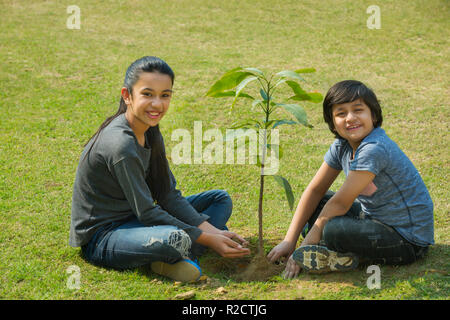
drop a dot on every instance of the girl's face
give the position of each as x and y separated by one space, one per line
352 121
150 99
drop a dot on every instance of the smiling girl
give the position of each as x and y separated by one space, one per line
126 210
382 214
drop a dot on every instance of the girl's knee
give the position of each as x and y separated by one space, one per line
224 198
171 238
181 241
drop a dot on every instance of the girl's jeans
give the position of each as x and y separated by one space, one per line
372 241
129 245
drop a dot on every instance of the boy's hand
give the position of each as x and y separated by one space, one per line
292 269
283 249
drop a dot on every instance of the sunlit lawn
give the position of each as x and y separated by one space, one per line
58 85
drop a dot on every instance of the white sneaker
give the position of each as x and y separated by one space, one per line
320 259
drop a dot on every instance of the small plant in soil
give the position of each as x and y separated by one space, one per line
233 83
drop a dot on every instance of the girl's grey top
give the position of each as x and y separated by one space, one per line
111 186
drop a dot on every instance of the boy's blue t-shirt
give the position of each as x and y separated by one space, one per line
397 196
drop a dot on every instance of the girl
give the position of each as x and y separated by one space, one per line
383 212
126 210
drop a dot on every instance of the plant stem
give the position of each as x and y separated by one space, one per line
260 231
261 188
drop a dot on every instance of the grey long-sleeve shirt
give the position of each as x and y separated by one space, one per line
110 186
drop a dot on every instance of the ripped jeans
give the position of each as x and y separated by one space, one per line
372 241
131 244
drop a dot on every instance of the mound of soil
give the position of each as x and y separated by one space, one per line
259 269
252 268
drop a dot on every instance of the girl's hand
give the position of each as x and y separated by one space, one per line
223 245
209 228
292 269
233 235
283 249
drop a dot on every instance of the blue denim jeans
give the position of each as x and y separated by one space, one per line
130 244
371 240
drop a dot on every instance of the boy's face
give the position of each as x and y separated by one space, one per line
352 121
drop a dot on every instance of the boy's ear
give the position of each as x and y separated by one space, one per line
374 119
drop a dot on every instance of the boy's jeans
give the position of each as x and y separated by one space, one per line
129 245
372 241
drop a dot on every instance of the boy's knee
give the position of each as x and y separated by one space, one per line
332 234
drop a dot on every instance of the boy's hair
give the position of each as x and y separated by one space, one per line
349 91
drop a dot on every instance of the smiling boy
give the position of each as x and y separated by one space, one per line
382 213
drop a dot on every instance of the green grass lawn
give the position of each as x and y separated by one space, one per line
58 85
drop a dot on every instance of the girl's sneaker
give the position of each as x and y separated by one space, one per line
319 259
185 270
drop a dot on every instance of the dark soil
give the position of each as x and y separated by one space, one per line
252 268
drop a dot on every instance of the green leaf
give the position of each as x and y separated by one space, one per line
316 97
302 95
306 70
281 81
263 94
231 94
268 123
277 148
290 74
297 111
256 101
255 71
240 87
249 123
258 161
281 122
296 88
228 81
287 189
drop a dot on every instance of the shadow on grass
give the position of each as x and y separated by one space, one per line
428 278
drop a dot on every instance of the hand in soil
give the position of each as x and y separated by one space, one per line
223 245
292 269
283 249
235 237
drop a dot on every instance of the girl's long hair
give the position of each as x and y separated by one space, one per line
158 177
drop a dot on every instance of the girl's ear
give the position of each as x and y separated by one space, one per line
126 95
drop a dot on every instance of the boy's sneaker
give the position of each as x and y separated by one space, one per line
319 259
184 270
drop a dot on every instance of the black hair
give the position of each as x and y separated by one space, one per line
349 91
158 177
